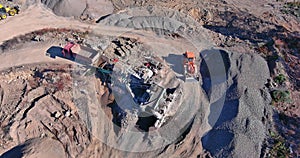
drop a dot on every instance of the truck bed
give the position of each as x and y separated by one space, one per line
85 53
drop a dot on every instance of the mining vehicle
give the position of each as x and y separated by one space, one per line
191 73
11 11
3 14
81 54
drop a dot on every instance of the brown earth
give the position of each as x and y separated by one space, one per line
38 116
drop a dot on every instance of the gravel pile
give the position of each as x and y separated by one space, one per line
84 9
233 82
237 116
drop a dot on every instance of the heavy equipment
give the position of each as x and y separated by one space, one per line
3 14
81 54
11 11
190 67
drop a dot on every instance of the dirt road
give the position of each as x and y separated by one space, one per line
34 18
42 18
29 55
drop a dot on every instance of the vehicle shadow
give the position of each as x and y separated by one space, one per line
176 64
54 52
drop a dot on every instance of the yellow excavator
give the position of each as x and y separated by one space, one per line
11 11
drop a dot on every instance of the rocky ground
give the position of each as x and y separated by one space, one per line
245 105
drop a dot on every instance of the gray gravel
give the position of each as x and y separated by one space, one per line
89 9
236 118
233 82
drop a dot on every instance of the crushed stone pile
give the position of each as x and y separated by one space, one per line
85 9
239 107
236 108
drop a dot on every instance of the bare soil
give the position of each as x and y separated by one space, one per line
39 116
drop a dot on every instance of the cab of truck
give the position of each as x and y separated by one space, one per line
67 49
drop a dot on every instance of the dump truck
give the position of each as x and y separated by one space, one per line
80 54
85 55
191 73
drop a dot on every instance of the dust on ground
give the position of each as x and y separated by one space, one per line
42 110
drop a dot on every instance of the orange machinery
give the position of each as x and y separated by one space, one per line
190 68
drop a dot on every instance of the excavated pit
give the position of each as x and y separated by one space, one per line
243 116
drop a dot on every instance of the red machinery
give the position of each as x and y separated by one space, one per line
190 66
81 54
67 50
